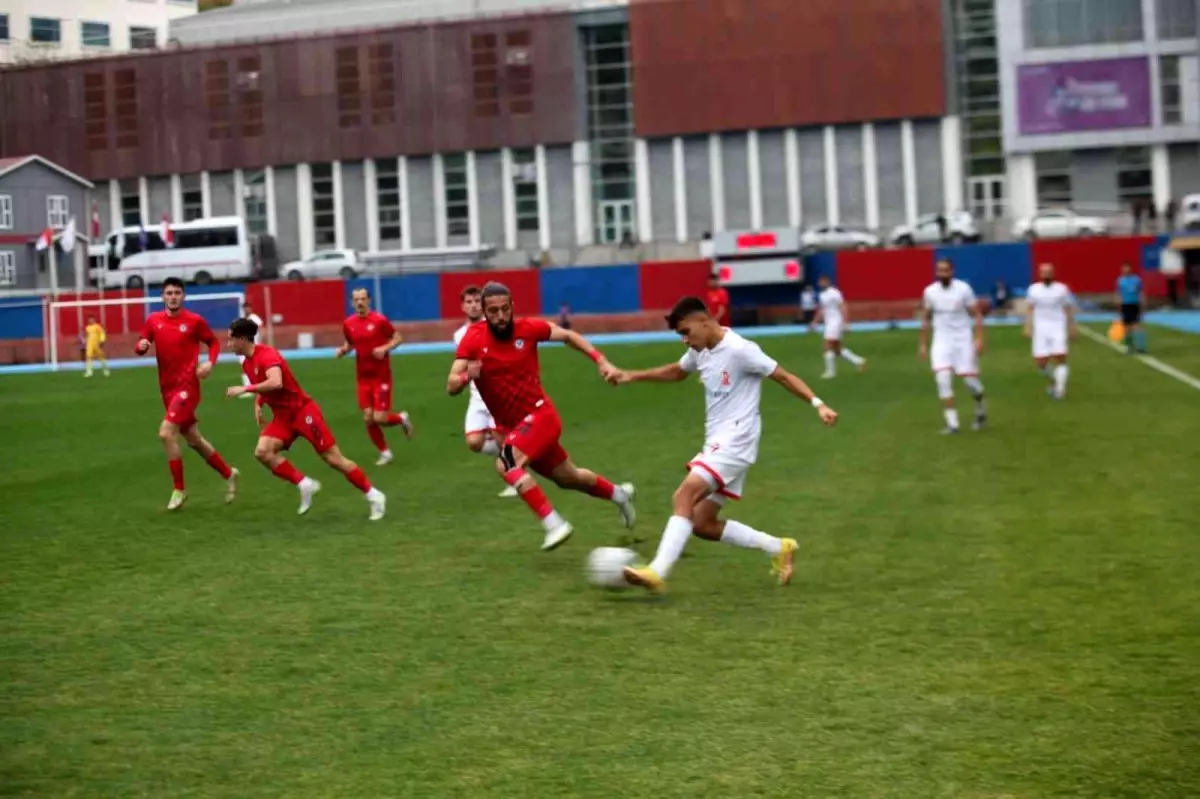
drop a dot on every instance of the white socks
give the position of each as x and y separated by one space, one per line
674 539
619 496
741 535
553 521
951 417
1060 379
374 495
852 357
490 447
830 362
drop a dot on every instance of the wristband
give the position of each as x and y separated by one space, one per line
816 401
596 356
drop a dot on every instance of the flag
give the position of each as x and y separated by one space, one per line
95 222
44 240
168 235
66 239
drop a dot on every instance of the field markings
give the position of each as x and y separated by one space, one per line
1149 360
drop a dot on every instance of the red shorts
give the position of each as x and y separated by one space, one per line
181 405
306 423
375 393
536 437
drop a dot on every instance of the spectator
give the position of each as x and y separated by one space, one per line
808 304
1169 215
943 228
564 316
717 300
1136 208
1152 216
1001 298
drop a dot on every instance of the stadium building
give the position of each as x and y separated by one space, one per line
34 31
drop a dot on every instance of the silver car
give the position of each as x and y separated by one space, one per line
836 237
960 229
323 265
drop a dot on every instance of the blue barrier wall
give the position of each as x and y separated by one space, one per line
592 289
982 265
403 298
21 317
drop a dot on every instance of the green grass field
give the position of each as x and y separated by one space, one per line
1005 614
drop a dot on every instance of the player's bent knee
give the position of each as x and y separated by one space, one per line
474 443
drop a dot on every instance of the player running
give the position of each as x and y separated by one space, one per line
1132 299
500 355
294 415
1050 322
831 309
95 346
949 305
732 369
370 335
248 313
176 335
479 427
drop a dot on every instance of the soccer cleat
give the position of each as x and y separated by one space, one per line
557 537
509 492
385 458
107 373
308 488
862 365
177 500
406 425
231 485
87 374
628 513
979 422
645 577
247 395
378 504
828 375
783 564
949 431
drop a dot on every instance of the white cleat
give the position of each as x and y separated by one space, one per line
628 513
177 500
406 425
378 503
231 486
247 396
828 375
308 489
385 458
557 537
509 492
87 374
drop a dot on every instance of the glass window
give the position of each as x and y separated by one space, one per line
526 188
1172 96
1134 181
1176 19
131 203
94 34
193 197
45 31
1053 178
142 38
387 193
3 27
610 126
324 215
6 212
1068 23
254 202
57 210
458 207
8 269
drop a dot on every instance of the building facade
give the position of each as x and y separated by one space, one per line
35 195
1101 102
565 133
33 31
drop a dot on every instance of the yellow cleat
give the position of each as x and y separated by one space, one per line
783 565
645 577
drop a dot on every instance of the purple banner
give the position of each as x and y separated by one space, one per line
1083 95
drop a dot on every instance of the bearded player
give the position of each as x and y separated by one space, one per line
732 370
294 415
1050 324
370 335
500 355
176 335
479 427
950 308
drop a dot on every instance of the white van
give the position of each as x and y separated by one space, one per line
203 251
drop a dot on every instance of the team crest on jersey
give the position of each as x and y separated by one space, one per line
308 420
370 328
725 381
384 386
520 343
183 395
183 328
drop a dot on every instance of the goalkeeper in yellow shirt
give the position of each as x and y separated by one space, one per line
95 346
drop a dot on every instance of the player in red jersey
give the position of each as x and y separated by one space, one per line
176 335
371 337
294 415
717 300
500 355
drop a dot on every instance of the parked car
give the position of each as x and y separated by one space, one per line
1189 213
323 264
960 228
836 237
1059 223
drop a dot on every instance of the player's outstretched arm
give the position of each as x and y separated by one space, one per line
799 388
462 372
578 342
273 382
671 373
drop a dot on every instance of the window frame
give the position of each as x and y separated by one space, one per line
83 39
57 205
39 43
6 212
6 37
133 47
8 268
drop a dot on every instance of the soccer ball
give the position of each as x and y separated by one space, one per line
604 566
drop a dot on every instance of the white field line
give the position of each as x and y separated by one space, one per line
1152 362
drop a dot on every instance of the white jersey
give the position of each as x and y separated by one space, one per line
732 374
458 337
256 319
953 308
832 302
1049 305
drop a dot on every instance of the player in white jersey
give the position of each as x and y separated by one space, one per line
950 306
831 309
732 370
248 313
1050 323
479 429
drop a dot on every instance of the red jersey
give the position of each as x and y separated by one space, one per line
364 334
718 299
177 339
286 399
510 380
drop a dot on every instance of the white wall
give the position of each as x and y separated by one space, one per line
119 14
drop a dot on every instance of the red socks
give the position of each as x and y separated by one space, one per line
358 479
286 471
394 419
376 434
176 467
218 463
602 489
535 498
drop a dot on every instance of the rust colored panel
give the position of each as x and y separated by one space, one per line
744 64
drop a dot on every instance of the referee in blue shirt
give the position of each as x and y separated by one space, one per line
1132 300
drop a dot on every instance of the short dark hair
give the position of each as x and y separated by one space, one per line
470 291
243 328
685 308
494 289
173 281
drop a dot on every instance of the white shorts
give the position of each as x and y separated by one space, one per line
479 418
954 354
1049 342
833 330
725 473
